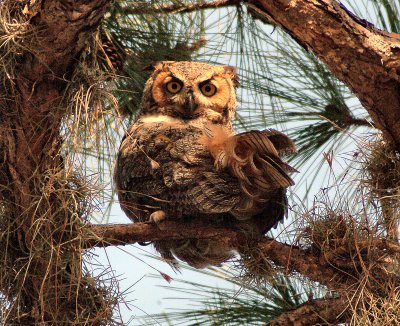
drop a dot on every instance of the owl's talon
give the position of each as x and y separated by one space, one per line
145 243
157 217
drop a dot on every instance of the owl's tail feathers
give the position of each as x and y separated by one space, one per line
198 253
254 158
273 213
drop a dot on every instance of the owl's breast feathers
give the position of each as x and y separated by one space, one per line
196 170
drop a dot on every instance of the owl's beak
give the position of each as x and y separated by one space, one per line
190 104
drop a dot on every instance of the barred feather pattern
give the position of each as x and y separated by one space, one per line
186 172
253 157
181 159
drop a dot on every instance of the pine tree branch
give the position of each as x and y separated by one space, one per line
123 234
319 267
291 258
363 57
178 8
32 166
314 312
304 261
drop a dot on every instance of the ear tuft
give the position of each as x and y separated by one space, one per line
151 66
231 71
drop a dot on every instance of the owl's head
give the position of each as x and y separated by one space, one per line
189 90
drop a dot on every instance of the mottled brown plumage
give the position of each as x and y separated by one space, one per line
181 159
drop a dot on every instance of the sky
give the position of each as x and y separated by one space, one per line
138 272
132 265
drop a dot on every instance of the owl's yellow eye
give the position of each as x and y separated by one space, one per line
174 86
208 89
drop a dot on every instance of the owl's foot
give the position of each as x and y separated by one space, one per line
157 217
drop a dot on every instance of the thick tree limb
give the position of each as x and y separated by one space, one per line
291 258
63 30
363 57
31 135
179 8
124 234
314 312
312 265
30 142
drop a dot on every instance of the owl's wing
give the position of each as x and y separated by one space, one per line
282 143
253 158
137 173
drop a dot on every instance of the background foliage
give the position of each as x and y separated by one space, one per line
338 194
283 86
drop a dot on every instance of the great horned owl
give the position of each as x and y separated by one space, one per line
181 159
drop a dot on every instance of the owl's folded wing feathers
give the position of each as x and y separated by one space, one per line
253 157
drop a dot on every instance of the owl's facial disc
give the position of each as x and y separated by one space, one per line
191 92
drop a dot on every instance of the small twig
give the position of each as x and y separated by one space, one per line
139 8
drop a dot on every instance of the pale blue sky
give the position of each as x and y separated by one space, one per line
130 264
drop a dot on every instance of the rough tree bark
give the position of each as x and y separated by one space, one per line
33 141
30 137
366 59
314 312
